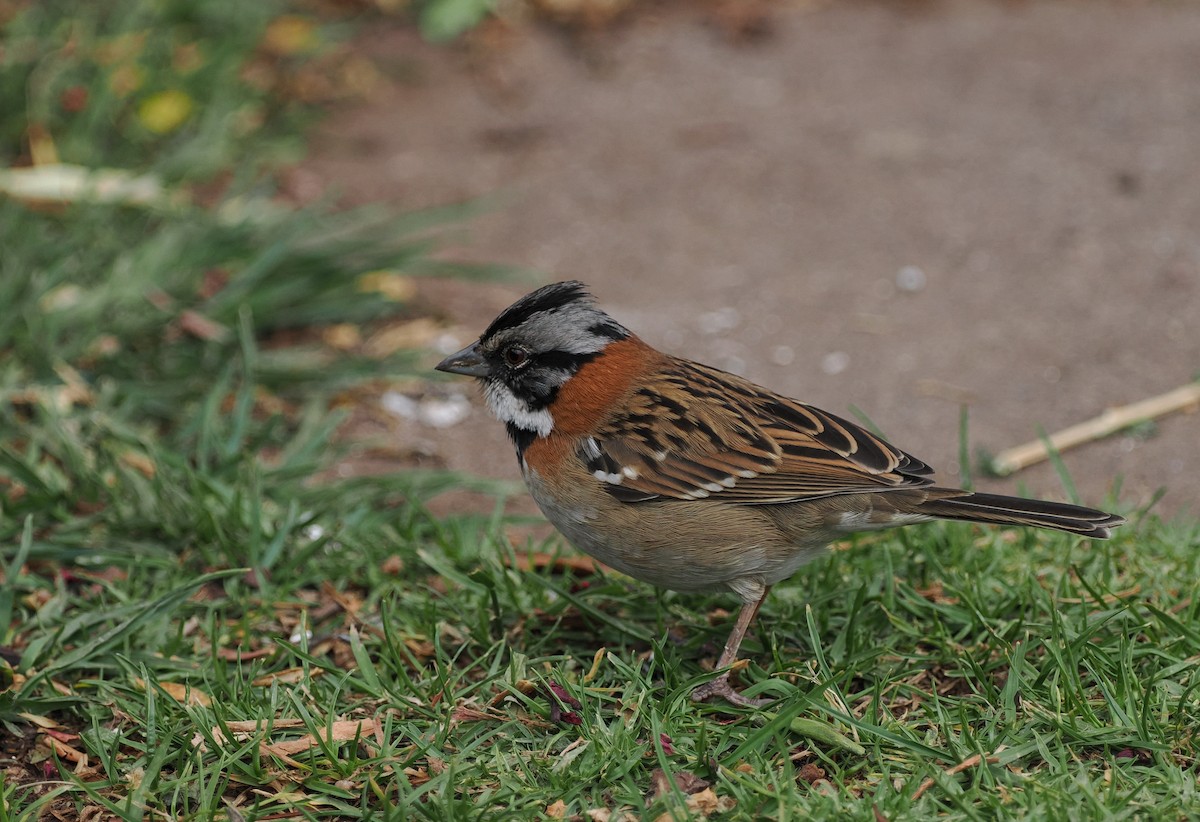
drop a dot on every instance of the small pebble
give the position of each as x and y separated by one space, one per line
436 412
910 278
783 355
444 412
716 322
399 404
835 362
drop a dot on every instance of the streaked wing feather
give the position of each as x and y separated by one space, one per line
693 431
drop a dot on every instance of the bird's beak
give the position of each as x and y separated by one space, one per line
469 362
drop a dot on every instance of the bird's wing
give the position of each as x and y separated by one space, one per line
692 431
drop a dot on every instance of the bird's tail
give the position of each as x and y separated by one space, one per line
1001 510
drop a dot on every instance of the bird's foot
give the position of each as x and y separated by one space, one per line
720 687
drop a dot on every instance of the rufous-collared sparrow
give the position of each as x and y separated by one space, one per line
691 478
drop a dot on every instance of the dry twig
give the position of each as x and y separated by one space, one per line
1111 421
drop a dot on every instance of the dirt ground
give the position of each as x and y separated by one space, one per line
896 207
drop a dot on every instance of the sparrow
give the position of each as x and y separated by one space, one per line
690 478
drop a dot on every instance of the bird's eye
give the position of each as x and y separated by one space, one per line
516 356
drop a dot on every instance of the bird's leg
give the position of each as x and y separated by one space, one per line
720 686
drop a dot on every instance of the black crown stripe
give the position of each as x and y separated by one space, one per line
546 298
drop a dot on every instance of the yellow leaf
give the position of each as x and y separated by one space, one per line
165 111
556 809
39 720
289 35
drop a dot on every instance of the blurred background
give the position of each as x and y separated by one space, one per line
908 209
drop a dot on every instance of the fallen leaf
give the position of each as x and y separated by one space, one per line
92 813
701 805
421 648
556 809
179 691
934 592
39 720
237 654
416 776
346 600
605 815
465 713
288 676
708 802
243 729
687 782
65 751
346 730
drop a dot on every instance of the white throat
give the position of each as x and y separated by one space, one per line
509 408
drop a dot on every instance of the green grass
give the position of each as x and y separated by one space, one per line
199 620
1072 666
